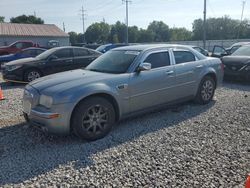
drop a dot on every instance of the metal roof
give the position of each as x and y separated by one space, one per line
31 30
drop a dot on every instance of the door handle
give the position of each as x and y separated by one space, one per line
169 72
199 66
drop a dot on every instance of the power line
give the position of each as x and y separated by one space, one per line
126 1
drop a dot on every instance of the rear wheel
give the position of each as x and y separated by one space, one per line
31 75
93 118
206 90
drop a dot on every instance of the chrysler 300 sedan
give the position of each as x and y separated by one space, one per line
120 83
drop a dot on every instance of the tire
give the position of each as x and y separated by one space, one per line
206 90
32 74
93 118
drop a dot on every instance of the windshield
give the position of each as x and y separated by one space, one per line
242 51
46 54
116 62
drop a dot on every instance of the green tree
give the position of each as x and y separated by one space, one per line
1 19
80 38
98 32
160 31
133 34
73 37
26 19
221 28
180 34
118 29
145 36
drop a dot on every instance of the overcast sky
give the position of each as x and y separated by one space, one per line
178 13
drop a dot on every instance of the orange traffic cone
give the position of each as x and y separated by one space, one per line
248 182
1 94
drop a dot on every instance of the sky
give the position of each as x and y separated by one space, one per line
175 13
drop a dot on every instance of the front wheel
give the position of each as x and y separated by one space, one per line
93 118
31 75
206 90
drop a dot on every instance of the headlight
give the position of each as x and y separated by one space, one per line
12 67
46 101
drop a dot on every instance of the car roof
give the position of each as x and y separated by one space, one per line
34 48
144 47
240 44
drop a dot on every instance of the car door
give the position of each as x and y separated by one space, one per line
82 58
219 51
187 71
59 61
152 87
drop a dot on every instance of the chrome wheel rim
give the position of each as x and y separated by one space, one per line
33 75
95 120
207 90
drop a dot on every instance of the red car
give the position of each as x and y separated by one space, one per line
16 47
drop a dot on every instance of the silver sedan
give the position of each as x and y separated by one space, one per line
122 82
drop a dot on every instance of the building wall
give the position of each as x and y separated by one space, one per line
42 41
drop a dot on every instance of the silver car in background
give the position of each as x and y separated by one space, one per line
122 82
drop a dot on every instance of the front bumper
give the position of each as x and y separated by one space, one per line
55 120
11 76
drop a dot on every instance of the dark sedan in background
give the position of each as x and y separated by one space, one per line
51 61
106 47
28 52
237 65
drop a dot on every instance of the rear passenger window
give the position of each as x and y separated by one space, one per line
64 53
160 59
81 52
183 57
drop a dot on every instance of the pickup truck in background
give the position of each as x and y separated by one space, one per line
16 47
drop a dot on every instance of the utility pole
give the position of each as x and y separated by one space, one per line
83 14
126 1
242 13
63 27
205 24
35 13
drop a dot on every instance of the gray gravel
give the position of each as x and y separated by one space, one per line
192 146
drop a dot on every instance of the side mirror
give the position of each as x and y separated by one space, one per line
144 67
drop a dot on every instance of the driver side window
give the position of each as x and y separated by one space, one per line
18 45
160 59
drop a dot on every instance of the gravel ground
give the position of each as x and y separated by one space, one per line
191 146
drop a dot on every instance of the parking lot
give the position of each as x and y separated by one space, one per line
188 145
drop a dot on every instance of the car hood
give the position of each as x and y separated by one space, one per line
6 57
22 61
4 47
235 60
64 81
